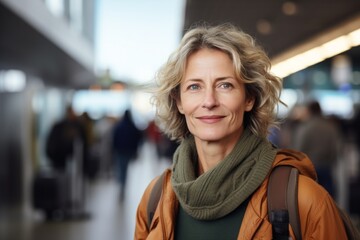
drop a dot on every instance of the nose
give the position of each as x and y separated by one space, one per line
210 99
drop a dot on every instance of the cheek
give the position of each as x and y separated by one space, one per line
187 105
238 110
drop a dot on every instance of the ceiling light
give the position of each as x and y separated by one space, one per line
336 46
289 8
298 62
318 49
355 37
12 81
263 26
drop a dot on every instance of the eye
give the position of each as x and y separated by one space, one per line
193 87
225 85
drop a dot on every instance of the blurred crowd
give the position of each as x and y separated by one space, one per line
333 145
107 146
110 144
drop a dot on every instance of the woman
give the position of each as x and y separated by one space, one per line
217 97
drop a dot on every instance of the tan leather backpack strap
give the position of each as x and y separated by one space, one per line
293 205
282 200
154 199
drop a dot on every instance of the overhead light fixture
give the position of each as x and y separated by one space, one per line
12 80
289 8
324 46
263 26
355 37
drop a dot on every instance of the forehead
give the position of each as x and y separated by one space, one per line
208 58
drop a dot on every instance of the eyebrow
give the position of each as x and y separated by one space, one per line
216 80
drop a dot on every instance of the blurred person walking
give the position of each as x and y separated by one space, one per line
90 159
320 139
60 142
62 189
165 147
103 145
126 140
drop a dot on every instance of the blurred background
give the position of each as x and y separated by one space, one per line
71 70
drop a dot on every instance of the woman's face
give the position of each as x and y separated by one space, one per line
212 100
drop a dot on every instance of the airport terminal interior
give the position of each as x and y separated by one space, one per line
50 71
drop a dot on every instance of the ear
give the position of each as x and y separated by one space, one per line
179 106
249 103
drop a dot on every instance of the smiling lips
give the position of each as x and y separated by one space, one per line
211 119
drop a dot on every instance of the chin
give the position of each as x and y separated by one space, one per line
216 136
209 137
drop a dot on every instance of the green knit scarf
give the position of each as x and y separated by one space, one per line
222 189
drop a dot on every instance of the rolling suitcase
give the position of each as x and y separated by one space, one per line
61 194
50 193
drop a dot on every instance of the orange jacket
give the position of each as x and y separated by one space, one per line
318 213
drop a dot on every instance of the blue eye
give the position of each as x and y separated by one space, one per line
193 87
225 85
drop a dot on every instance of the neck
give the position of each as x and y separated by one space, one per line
211 153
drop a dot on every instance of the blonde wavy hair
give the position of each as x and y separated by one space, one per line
251 65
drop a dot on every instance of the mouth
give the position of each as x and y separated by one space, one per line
211 119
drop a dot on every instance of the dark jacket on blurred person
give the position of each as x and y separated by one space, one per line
62 138
126 139
126 136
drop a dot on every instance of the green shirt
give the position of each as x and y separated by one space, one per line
227 227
